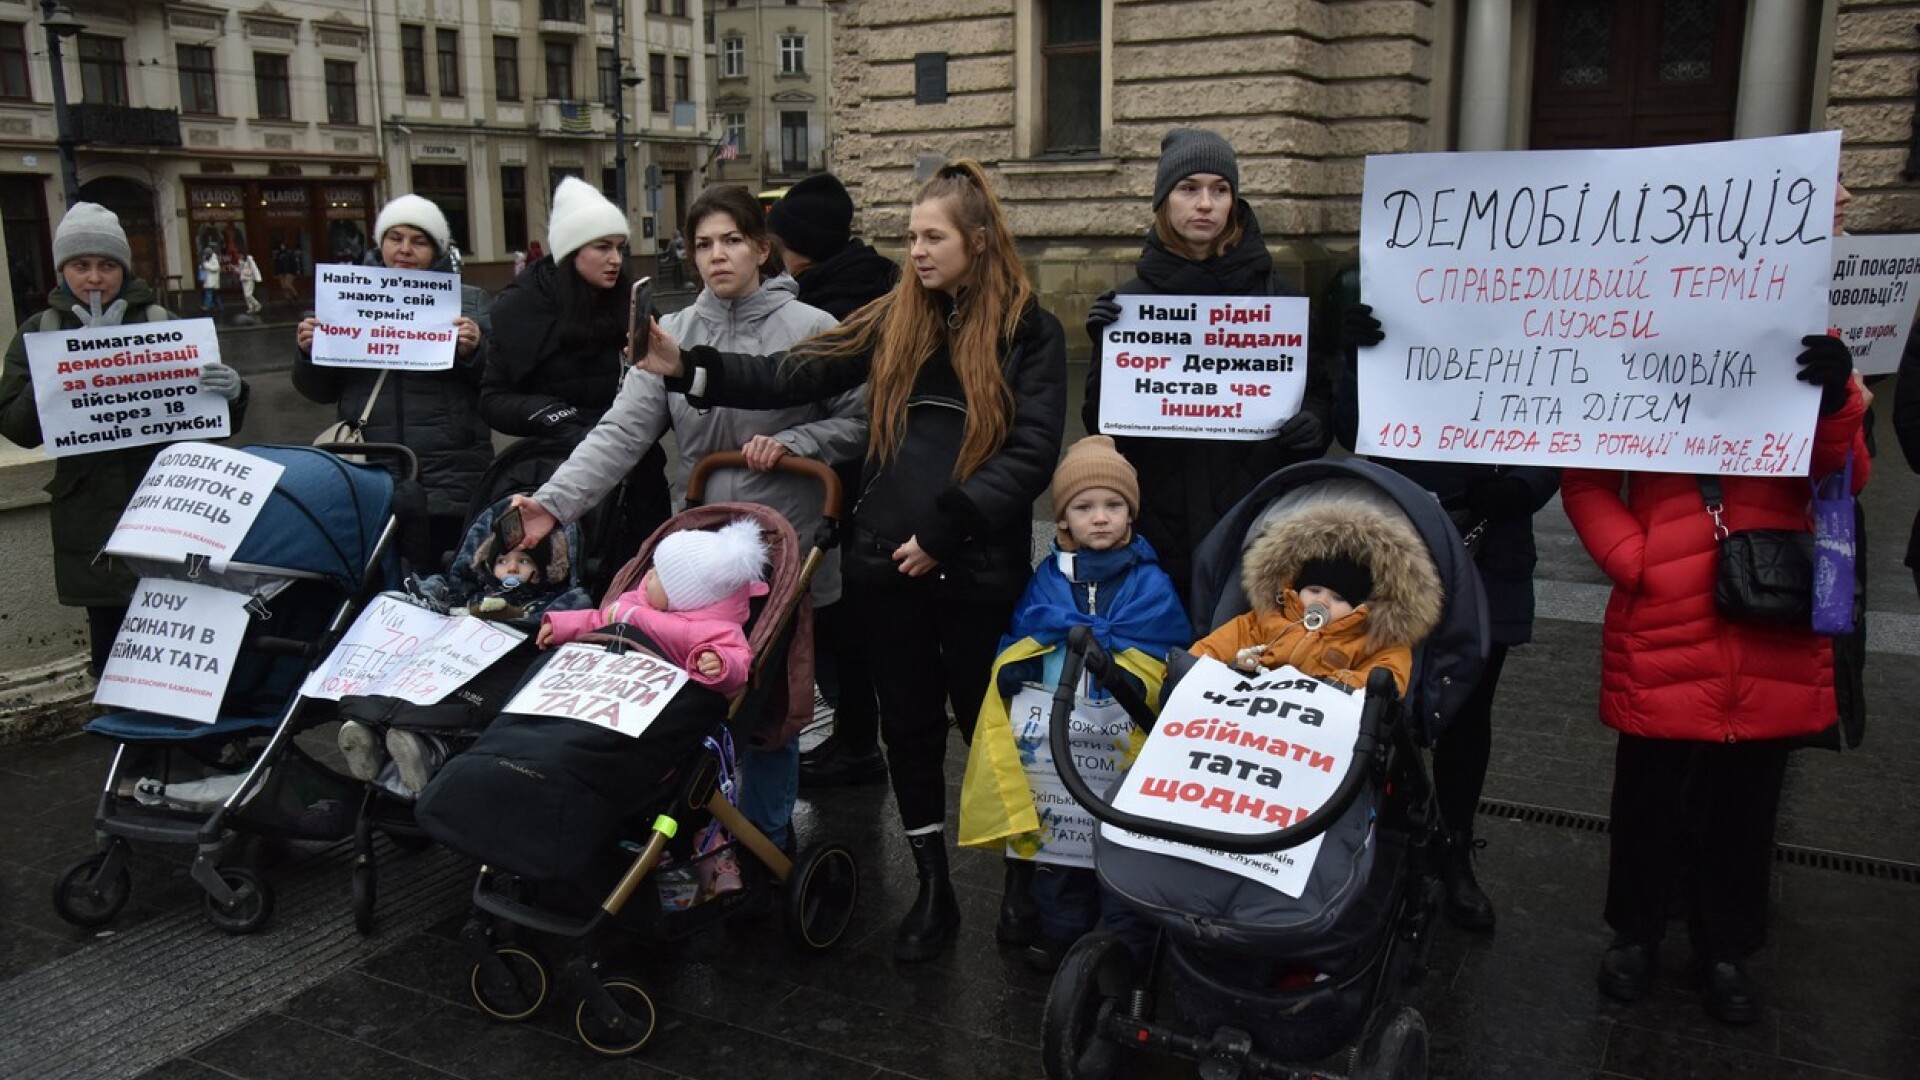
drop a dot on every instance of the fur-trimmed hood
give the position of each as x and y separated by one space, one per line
1407 596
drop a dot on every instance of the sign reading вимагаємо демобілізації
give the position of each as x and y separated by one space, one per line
1614 309
1203 367
371 317
115 386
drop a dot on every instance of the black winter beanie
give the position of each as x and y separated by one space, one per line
814 217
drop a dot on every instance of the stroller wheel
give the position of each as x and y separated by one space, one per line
83 899
513 991
1395 1050
616 1036
364 887
252 904
1093 980
820 896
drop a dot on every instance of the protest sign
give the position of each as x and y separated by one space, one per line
1242 754
196 499
175 650
371 317
1615 309
1876 282
115 386
623 692
403 650
1101 737
1203 367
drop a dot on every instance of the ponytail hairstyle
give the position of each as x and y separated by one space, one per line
905 327
748 216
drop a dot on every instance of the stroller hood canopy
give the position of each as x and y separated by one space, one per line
325 517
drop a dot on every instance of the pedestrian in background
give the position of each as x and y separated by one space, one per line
249 274
210 281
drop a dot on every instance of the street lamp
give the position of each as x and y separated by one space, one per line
59 23
628 78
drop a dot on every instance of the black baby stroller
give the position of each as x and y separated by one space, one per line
321 547
548 805
452 723
1260 983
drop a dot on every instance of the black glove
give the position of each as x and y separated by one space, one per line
556 416
1359 327
1302 431
1498 496
1105 309
1013 677
1827 364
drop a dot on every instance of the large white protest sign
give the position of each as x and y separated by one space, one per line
1100 734
1239 754
175 650
102 389
1616 309
403 650
196 499
623 692
370 317
1876 283
1203 367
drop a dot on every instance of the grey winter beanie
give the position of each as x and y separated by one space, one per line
1185 151
91 229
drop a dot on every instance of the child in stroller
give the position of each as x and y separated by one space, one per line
1257 977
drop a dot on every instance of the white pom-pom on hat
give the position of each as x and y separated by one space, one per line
697 568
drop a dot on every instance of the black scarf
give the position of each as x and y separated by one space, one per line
1244 270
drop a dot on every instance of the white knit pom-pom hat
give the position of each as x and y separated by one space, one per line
581 215
697 568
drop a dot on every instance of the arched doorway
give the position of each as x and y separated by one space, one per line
132 202
1635 72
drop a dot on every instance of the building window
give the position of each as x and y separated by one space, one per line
506 69
557 173
13 62
272 87
343 94
1070 75
793 142
103 71
733 57
793 54
447 48
682 78
609 78
513 206
610 184
560 70
657 80
680 9
736 123
563 11
197 85
446 187
413 58
656 7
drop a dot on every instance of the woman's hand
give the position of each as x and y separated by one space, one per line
536 521
763 452
466 335
663 353
709 663
305 333
545 640
913 561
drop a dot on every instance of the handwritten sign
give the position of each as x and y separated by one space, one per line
175 650
375 318
1617 309
620 692
1876 283
1242 755
403 650
1203 367
196 499
102 389
1101 737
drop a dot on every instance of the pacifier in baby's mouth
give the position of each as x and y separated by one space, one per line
1317 616
511 581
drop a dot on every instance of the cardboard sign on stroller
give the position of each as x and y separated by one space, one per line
196 499
174 653
623 692
1243 754
403 650
1102 740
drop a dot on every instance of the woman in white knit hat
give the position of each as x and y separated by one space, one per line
436 413
97 288
555 364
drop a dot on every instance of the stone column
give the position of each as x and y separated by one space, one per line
1485 73
1772 71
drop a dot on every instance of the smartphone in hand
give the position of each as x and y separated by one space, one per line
510 528
639 316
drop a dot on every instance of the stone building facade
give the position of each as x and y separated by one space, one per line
770 72
1306 89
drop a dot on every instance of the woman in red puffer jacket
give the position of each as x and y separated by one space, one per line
1706 708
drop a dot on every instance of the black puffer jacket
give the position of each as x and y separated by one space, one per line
1186 485
979 528
435 413
848 280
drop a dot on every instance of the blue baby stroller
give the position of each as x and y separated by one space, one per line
321 547
1261 983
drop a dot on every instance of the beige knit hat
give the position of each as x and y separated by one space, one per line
1093 462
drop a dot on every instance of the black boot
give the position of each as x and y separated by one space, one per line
1467 906
1019 915
934 919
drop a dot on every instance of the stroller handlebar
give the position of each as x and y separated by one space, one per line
819 471
403 458
1085 653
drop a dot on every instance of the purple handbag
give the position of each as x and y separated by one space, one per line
1834 552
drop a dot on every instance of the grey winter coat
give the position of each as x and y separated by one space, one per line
770 320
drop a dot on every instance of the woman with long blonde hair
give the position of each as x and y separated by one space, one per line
966 391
